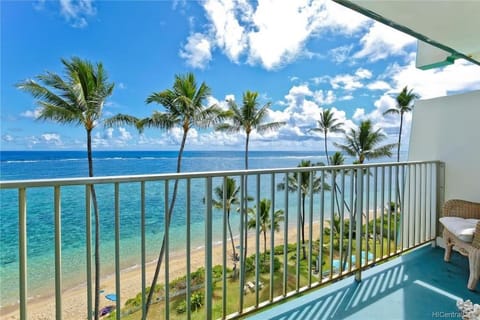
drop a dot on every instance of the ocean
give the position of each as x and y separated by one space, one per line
21 165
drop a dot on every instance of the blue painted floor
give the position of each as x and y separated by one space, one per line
418 285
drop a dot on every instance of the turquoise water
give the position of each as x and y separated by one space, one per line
63 164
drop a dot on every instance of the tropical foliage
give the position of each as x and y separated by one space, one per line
265 222
363 143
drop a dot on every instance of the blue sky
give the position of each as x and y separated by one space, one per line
301 56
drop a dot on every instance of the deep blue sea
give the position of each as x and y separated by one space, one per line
21 165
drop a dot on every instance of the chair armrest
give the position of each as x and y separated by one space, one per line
476 237
461 208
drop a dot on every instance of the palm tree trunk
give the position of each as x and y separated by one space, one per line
170 213
97 227
399 137
231 235
264 242
246 197
326 150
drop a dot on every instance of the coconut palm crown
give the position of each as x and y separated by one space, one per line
249 117
363 143
328 123
76 98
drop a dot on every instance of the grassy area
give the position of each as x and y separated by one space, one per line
177 304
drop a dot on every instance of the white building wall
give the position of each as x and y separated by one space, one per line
448 129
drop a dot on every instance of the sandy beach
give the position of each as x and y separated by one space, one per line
74 299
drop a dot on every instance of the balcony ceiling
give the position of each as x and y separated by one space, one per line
453 26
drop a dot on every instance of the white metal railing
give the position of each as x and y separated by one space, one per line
357 217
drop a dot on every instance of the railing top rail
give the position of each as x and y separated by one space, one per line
13 184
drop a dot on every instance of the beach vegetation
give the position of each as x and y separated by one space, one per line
76 98
265 223
307 183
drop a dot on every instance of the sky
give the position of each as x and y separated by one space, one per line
301 56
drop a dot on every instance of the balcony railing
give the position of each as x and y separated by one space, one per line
338 221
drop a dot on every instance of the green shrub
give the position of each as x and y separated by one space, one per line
264 264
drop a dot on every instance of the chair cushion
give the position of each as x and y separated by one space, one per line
463 229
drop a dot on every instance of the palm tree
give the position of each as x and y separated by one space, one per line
404 105
231 199
301 181
183 107
328 123
78 99
265 223
248 118
363 143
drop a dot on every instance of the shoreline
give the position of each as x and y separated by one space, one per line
74 300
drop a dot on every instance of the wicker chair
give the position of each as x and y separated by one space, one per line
464 209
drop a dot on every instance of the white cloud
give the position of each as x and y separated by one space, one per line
229 35
51 138
7 138
346 82
77 12
340 54
379 85
324 97
382 41
272 33
197 51
363 73
32 114
459 77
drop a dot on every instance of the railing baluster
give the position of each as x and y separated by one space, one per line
224 248
342 220
22 247
420 202
143 246
310 228
409 204
88 240
402 208
257 241
332 219
188 252
389 210
375 195
58 253
285 240
208 250
299 226
414 211
322 231
167 250
243 208
358 225
117 250
367 217
350 221
272 235
397 211
382 203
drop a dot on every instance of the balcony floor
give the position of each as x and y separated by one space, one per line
417 285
